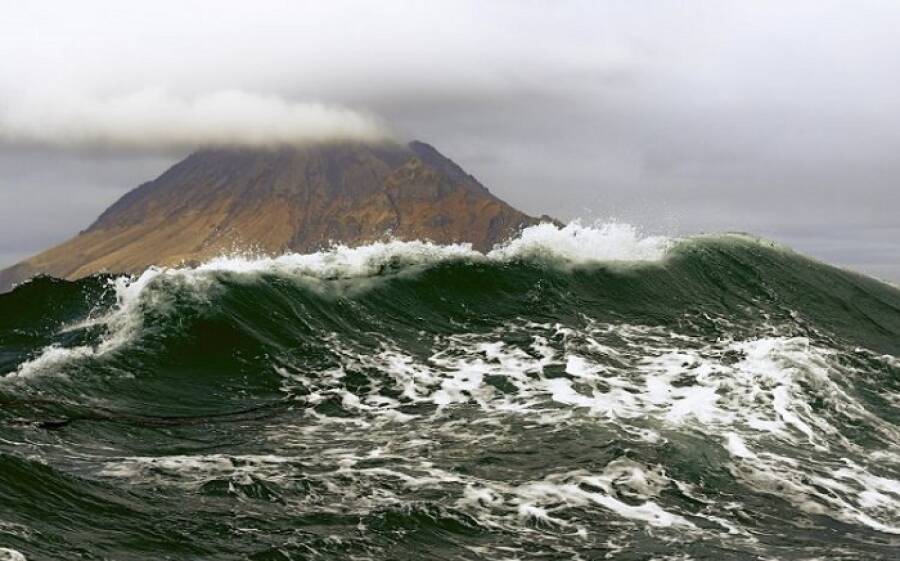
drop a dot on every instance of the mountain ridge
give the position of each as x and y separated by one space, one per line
282 199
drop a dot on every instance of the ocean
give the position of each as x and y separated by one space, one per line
580 393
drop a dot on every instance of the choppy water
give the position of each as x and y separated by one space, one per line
583 393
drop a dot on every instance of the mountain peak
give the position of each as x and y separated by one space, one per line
283 199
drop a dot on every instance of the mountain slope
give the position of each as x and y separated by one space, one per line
286 199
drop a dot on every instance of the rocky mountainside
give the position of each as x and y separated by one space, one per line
275 200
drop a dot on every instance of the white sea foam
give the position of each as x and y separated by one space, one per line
747 403
775 403
748 394
153 289
576 243
345 473
7 554
564 491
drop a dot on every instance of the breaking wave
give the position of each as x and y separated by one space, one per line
580 392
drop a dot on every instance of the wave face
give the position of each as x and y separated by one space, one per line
581 393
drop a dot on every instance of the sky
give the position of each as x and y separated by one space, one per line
781 119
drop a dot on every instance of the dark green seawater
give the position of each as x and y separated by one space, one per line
586 396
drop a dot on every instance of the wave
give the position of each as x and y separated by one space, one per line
616 246
573 244
579 390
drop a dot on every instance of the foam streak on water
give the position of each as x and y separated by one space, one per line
582 392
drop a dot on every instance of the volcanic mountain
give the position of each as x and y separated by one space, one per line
286 199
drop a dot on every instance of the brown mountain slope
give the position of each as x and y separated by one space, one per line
287 199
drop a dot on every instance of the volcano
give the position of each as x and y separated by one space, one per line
276 200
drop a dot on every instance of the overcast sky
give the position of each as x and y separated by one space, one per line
778 118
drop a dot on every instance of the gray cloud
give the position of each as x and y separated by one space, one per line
769 117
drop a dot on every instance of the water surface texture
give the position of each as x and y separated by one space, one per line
582 393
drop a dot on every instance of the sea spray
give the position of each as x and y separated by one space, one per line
583 391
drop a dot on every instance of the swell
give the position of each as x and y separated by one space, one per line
218 338
716 392
397 288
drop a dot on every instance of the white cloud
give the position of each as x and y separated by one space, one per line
156 119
